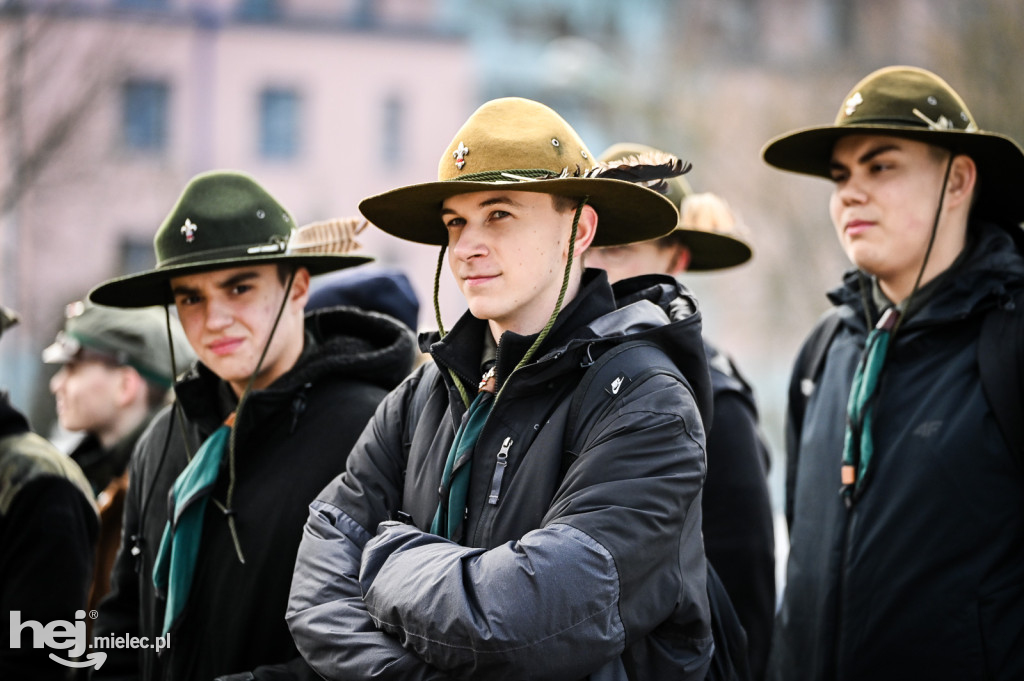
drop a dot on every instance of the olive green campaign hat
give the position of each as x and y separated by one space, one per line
222 219
134 337
522 145
714 244
909 102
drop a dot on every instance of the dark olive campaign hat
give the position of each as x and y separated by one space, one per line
521 145
222 219
713 244
909 102
134 337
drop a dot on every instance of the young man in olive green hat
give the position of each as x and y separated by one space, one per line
484 527
48 528
903 490
115 373
221 480
739 535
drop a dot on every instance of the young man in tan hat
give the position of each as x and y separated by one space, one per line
915 568
221 480
488 525
115 372
48 528
739 535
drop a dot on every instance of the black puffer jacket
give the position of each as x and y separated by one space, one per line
739 529
48 528
923 578
292 438
598 574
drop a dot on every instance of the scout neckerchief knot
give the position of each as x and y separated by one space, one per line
179 547
455 477
859 444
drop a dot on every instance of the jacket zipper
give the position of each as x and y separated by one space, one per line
499 471
841 590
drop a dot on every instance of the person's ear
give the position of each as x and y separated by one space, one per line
586 230
130 384
963 178
300 287
681 260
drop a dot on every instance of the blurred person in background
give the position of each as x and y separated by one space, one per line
738 527
115 373
905 442
48 528
378 289
222 480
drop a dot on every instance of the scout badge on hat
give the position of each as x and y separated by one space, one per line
520 145
224 219
707 228
912 103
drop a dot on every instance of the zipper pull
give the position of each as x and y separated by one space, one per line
499 471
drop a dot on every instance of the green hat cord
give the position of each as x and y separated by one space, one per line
858 443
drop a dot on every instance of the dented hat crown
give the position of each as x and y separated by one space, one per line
913 103
222 219
521 145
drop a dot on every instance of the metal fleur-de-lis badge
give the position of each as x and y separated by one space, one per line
460 155
189 230
853 102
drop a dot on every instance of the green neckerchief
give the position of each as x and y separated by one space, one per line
451 509
179 547
859 444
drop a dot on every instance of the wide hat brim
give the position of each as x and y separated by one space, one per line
627 212
711 251
999 159
153 287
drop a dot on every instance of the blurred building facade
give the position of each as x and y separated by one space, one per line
110 106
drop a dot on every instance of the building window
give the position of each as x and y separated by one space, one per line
145 115
136 254
393 137
279 123
259 10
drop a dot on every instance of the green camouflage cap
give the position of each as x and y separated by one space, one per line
222 219
520 145
131 337
909 102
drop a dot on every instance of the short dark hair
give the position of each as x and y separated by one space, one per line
564 204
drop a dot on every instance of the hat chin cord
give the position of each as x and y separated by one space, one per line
225 507
927 253
547 327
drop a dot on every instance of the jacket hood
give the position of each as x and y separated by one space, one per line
987 273
653 308
341 342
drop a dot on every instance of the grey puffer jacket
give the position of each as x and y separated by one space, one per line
595 570
923 577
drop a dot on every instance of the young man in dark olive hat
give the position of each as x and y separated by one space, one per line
115 373
739 535
904 493
48 527
486 526
222 478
